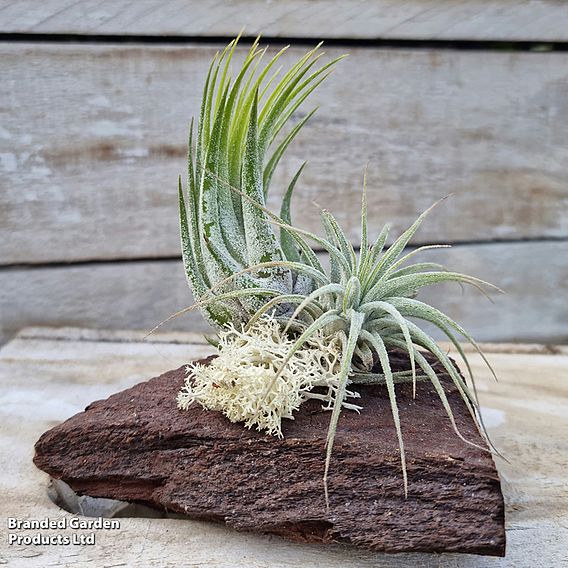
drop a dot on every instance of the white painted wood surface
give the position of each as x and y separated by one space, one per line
95 138
142 294
48 375
512 20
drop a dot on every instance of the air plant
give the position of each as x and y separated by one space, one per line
243 275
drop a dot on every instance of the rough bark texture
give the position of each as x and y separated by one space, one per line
137 446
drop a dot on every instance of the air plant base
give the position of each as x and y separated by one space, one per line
137 446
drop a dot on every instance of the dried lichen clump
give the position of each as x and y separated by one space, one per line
235 382
240 270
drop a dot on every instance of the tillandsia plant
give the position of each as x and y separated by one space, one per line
285 324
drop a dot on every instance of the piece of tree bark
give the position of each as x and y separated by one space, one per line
137 446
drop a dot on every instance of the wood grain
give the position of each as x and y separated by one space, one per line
93 138
141 294
508 20
45 380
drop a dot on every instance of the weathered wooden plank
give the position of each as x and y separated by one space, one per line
141 294
93 137
43 381
383 19
71 333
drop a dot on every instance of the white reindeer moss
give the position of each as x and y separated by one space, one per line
235 382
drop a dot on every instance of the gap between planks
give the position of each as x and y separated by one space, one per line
469 20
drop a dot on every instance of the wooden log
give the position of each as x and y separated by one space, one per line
96 136
505 20
137 446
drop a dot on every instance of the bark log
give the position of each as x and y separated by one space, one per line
137 446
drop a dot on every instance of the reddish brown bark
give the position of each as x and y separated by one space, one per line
137 446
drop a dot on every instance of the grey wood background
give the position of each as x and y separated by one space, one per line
436 96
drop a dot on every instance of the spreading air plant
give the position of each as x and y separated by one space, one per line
243 275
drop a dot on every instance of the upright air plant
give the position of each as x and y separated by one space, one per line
243 275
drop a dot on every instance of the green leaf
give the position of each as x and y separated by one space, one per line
374 254
347 251
420 310
312 308
417 268
399 319
394 251
287 241
342 379
260 240
310 298
377 342
364 251
406 257
405 285
431 374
